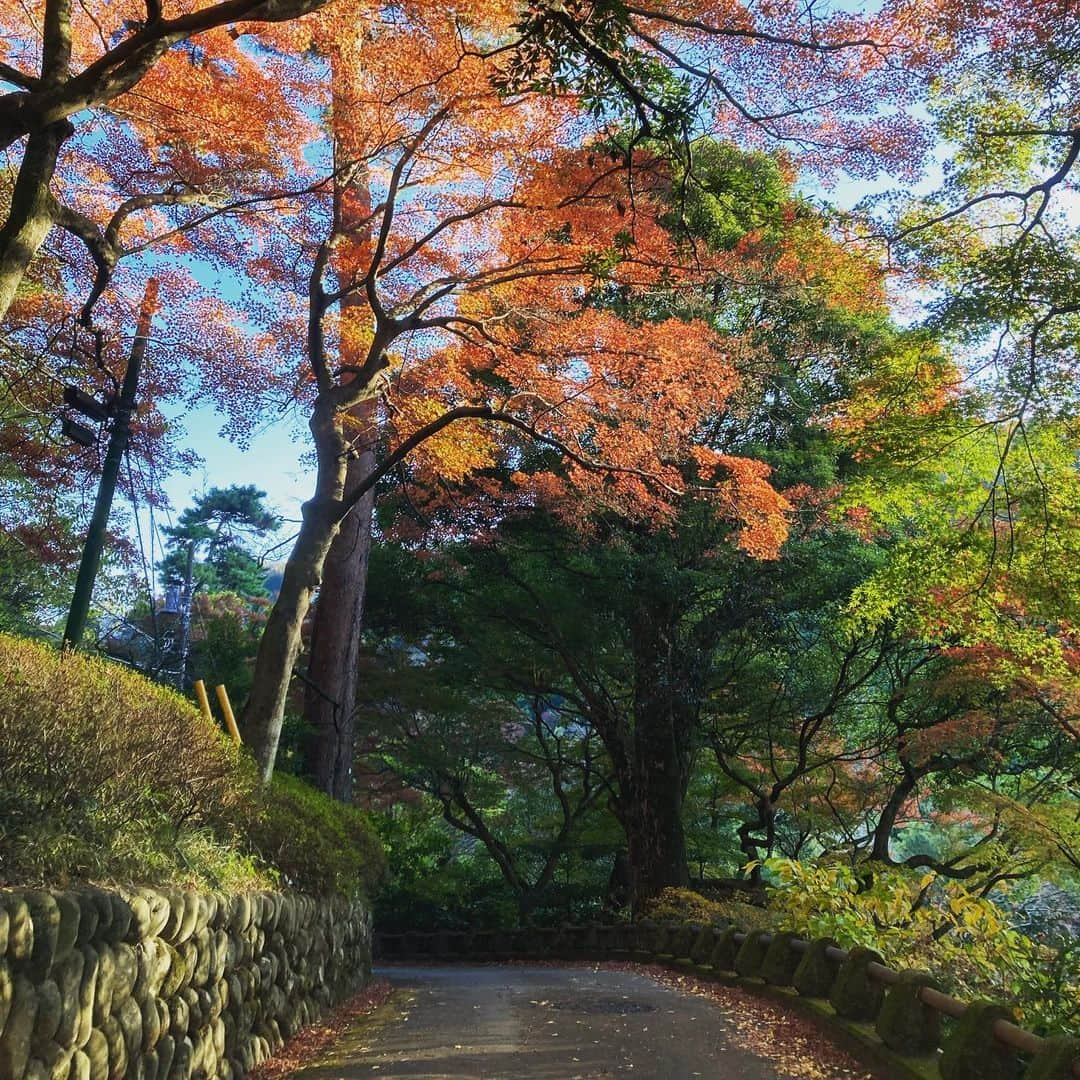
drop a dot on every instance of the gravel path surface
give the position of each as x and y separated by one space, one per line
541 1022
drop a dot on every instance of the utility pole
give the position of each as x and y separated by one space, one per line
110 471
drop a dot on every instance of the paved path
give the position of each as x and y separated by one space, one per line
552 1023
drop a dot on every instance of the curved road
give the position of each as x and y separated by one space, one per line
553 1023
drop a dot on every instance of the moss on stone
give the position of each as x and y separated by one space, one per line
7 991
973 1053
681 941
816 971
176 974
18 1029
855 994
46 916
704 942
1055 1060
723 954
20 927
49 1014
780 960
67 934
906 1023
751 954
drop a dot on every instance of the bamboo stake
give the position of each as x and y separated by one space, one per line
200 696
226 708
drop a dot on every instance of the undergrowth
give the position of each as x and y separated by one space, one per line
110 778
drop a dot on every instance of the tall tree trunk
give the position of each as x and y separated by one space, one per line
333 667
660 767
655 836
330 697
279 647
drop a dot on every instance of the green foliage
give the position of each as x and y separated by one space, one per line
725 194
29 590
569 47
221 523
317 845
105 772
934 923
108 777
436 877
997 243
225 632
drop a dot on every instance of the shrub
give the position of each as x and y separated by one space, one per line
685 905
111 778
922 921
105 773
316 844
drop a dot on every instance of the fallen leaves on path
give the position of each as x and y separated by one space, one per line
308 1043
799 1048
793 1043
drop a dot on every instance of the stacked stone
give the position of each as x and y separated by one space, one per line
98 985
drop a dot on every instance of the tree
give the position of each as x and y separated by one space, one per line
995 241
502 332
219 527
334 650
626 629
641 54
221 593
517 776
44 46
657 596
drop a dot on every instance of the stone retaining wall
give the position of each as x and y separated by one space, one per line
841 988
95 985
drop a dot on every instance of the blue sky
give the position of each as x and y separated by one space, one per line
272 462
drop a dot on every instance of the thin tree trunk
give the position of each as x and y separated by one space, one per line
889 813
750 840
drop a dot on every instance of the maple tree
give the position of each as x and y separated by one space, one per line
625 625
123 195
333 653
535 276
476 255
193 171
124 66
503 333
116 48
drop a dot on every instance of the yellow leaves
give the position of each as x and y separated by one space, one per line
453 453
357 333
